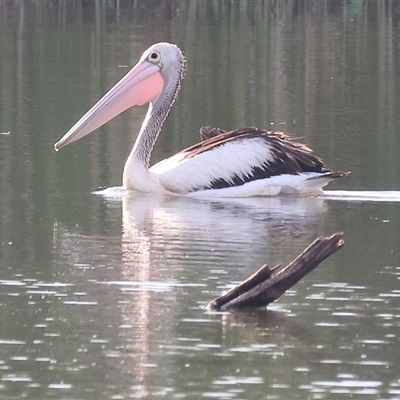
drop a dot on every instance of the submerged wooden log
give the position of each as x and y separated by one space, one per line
266 285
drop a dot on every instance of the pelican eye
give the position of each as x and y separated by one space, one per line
154 57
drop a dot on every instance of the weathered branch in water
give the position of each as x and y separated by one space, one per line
266 285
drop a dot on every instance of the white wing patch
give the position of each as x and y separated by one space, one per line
239 157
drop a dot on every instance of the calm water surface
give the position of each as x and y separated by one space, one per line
103 298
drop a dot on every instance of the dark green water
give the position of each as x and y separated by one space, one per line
102 299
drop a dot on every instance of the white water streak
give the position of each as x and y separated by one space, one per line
362 196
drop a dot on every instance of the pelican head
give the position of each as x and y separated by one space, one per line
155 77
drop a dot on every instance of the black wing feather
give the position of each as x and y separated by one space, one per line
289 156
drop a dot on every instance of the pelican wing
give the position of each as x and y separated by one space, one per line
207 132
234 158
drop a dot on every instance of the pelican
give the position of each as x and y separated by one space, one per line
240 163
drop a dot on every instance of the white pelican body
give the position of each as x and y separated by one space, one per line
241 163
